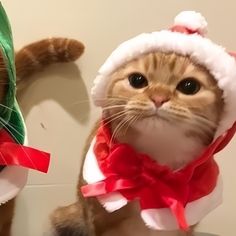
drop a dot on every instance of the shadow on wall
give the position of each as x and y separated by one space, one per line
62 83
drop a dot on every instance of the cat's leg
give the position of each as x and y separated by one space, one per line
70 221
191 231
6 229
6 217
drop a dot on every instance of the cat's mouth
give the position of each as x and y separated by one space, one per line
2 167
159 114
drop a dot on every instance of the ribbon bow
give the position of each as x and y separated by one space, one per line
138 177
12 153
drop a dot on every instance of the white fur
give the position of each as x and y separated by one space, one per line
191 20
202 50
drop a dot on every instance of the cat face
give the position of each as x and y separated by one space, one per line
166 87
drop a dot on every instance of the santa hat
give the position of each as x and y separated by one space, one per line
186 37
15 159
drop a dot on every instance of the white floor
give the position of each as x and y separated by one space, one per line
55 104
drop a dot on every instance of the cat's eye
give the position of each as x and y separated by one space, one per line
189 86
137 80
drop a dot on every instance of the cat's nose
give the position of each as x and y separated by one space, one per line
159 100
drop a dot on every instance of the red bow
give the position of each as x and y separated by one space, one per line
12 153
137 176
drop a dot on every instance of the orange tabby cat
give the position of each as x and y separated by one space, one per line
156 95
168 105
29 60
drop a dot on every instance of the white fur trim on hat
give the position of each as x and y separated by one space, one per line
201 50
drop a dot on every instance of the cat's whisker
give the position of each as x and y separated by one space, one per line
27 155
119 126
105 99
139 103
113 107
88 101
9 108
115 102
115 117
5 125
118 97
114 131
204 120
115 114
112 99
173 115
127 123
14 125
196 124
200 123
203 127
133 120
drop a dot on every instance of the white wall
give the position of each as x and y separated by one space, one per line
55 106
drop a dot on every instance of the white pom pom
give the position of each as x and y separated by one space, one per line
191 20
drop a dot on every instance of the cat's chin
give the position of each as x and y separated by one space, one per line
159 115
154 136
153 120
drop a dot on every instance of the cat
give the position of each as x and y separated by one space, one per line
162 104
29 60
168 105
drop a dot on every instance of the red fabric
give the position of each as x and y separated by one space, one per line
183 29
12 153
137 176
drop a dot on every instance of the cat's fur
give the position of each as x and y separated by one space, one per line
29 60
173 132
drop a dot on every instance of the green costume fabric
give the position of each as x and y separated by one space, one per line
16 158
10 114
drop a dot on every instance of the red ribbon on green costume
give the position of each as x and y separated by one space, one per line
12 153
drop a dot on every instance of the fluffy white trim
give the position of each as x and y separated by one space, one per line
158 219
191 20
93 174
201 50
12 178
91 170
112 201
